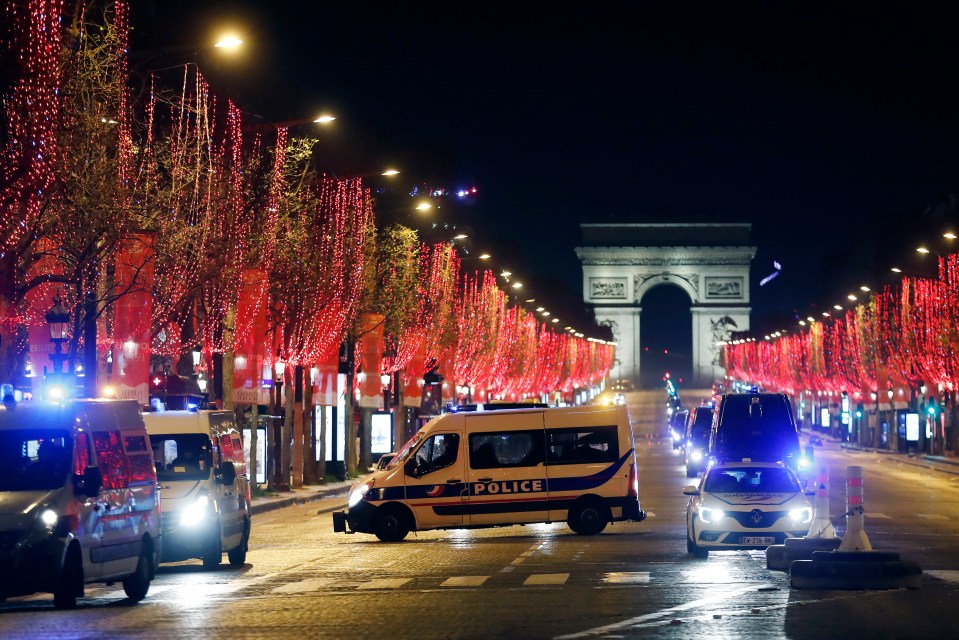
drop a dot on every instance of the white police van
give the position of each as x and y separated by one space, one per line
495 468
78 499
204 487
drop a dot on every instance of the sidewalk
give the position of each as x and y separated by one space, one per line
307 493
944 464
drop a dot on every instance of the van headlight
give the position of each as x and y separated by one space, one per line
357 494
803 462
196 512
710 516
801 516
49 518
696 455
677 436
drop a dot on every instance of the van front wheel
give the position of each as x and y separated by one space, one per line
137 584
70 583
237 554
588 517
214 555
391 524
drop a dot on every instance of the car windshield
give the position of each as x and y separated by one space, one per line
182 456
751 480
699 434
34 459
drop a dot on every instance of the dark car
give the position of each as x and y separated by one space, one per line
696 443
677 427
756 426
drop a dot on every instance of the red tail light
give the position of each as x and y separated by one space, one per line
633 480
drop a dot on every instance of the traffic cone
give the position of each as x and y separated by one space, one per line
821 525
855 537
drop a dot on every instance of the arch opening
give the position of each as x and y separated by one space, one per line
666 336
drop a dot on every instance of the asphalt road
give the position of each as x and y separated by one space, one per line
635 580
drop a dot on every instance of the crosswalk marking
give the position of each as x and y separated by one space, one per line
385 583
464 581
949 575
537 579
304 586
879 516
932 516
627 577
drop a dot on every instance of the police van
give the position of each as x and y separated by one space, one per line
485 469
205 491
78 499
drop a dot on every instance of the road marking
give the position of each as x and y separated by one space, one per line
950 576
627 577
545 578
932 516
464 581
385 583
518 560
304 586
879 516
650 514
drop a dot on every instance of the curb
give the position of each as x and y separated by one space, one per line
779 557
282 503
855 570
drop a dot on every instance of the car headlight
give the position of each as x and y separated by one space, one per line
197 511
710 516
676 436
49 518
357 494
802 515
803 462
696 455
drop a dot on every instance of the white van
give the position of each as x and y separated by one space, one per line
78 499
496 468
203 485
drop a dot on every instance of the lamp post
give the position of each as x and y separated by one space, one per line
58 318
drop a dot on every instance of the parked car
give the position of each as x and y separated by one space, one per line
677 427
745 506
696 440
384 460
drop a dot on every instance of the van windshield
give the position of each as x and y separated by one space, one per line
182 456
34 459
752 424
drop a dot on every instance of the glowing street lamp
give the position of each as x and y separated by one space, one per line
326 119
229 42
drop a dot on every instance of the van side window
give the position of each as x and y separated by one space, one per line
226 448
438 452
81 455
238 456
139 459
506 449
110 458
582 444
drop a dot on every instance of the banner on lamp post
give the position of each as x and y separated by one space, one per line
133 311
325 389
249 351
371 336
413 381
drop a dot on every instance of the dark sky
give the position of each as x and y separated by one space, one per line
834 131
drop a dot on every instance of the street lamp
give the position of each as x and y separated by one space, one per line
57 318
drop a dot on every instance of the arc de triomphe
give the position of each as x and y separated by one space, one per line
709 261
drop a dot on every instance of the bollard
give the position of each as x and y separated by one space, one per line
821 525
855 537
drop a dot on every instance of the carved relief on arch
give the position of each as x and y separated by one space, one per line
643 282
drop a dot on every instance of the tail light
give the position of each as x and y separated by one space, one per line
633 481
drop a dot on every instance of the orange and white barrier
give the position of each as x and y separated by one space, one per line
821 525
855 537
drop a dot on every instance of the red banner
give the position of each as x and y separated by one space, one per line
413 381
39 300
251 345
325 390
132 314
371 335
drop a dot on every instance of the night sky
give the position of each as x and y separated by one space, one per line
834 131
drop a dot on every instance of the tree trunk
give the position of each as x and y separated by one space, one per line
321 465
309 430
254 436
349 430
366 437
229 330
287 430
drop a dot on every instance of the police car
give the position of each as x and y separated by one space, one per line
745 505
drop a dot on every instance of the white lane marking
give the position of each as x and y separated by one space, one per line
518 560
932 516
879 516
385 583
695 604
650 514
304 586
627 577
464 581
948 575
545 578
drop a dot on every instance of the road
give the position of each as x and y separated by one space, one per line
635 580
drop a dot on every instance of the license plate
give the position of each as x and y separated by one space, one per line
758 540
